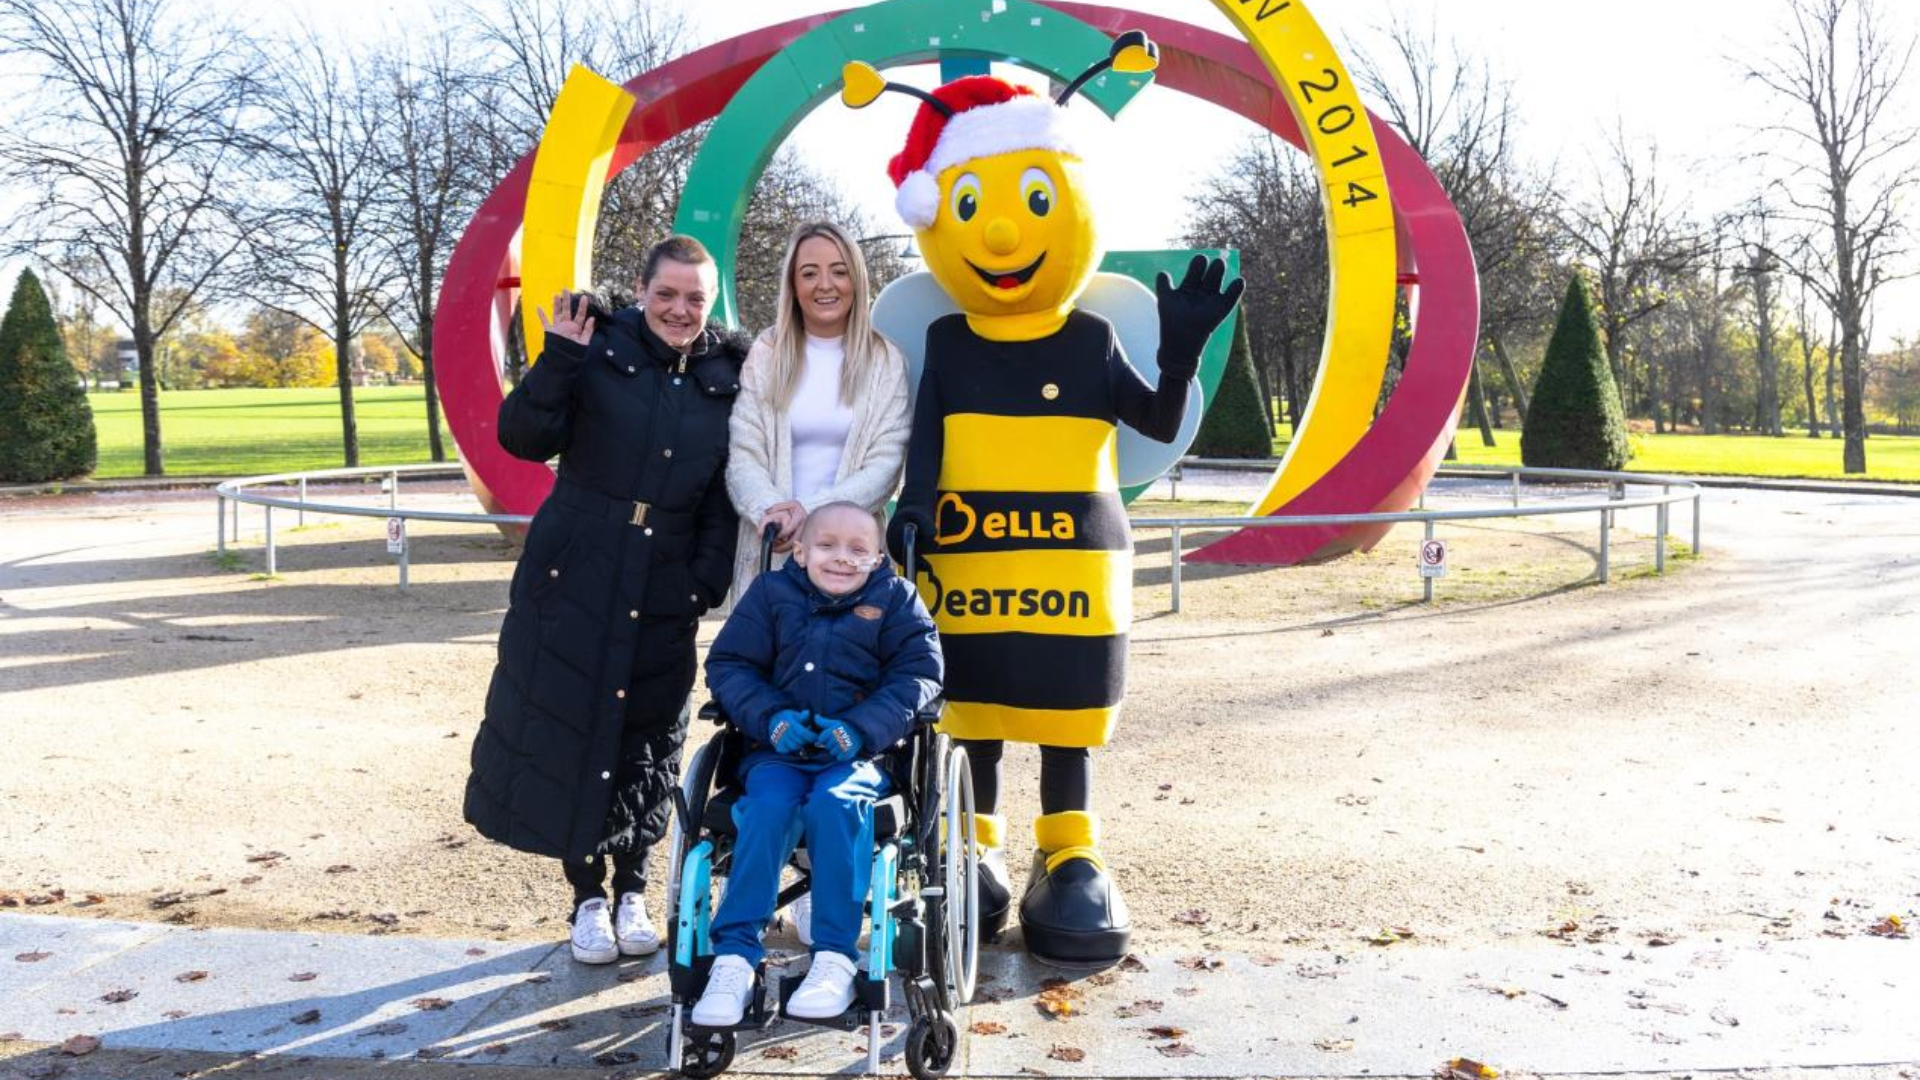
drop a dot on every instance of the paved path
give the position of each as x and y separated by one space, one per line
1575 1009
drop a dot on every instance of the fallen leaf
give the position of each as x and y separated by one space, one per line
1201 963
115 997
266 856
1658 941
431 1052
1058 998
630 976
1193 917
1564 931
539 978
1176 1050
1390 935
311 1016
781 1053
1138 1008
1268 960
1893 926
1725 1018
1167 1031
340 868
303 976
189 976
1132 964
1103 978
615 1057
476 951
560 1024
1187 991
1067 1053
641 1012
1333 1046
391 1027
32 957
987 1027
44 899
431 1004
250 879
495 1048
80 1046
1469 1069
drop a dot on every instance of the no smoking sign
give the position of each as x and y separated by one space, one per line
1433 558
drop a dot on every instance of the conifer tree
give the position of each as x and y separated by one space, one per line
1574 421
46 425
1236 423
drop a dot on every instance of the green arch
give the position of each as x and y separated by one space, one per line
793 81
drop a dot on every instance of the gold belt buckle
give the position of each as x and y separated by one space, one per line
639 513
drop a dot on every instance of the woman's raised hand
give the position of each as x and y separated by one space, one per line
570 320
789 515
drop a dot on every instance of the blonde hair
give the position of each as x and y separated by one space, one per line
864 345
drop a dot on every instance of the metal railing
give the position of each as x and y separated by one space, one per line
236 492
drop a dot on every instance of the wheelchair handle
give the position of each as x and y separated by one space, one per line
911 534
767 537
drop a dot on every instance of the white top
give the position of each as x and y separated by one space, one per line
818 419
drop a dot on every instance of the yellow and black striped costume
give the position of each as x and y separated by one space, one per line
1014 456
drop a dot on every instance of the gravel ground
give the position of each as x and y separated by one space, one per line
1309 756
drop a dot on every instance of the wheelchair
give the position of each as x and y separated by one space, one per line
922 907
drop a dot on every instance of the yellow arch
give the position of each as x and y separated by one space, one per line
1360 237
563 197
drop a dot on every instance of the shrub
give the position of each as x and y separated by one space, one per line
46 426
1575 420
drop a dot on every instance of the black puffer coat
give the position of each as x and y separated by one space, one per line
579 749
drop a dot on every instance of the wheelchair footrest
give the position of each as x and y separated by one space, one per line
869 997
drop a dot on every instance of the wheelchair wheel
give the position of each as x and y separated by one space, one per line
959 866
706 1054
695 785
931 1042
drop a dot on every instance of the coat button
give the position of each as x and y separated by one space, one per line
553 573
809 665
629 369
634 614
609 352
668 452
604 776
676 381
694 597
648 531
620 694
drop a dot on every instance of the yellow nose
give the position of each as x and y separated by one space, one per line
1002 236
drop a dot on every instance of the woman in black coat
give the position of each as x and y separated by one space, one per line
580 749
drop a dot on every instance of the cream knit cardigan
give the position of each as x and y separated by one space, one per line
760 456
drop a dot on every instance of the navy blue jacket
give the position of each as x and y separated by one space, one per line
871 658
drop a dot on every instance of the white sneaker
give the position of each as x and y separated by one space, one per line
801 912
827 991
593 933
729 985
631 927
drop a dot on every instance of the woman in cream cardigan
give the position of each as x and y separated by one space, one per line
823 411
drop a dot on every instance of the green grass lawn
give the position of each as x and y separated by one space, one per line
250 432
1889 457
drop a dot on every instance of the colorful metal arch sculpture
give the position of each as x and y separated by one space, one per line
1355 467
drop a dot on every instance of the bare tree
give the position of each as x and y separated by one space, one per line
1849 160
1762 271
318 253
1265 201
430 182
127 153
1629 236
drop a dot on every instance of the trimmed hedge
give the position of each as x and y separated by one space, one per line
1575 421
1235 424
46 426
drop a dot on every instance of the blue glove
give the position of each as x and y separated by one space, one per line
788 732
838 739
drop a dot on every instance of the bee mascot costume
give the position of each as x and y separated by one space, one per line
1012 468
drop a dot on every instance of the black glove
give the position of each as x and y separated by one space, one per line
1191 313
922 524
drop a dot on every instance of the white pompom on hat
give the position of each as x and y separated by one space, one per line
990 116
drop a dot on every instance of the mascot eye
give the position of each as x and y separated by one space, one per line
966 196
1036 187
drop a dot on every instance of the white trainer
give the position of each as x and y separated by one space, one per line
801 912
827 991
593 941
724 1002
632 929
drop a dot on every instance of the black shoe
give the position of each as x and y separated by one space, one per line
1074 916
996 898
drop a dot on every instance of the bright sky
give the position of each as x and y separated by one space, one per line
1666 69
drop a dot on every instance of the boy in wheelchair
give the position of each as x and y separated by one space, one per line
824 664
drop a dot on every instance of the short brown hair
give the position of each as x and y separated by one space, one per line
678 247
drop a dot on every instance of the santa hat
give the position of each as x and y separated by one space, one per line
984 116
